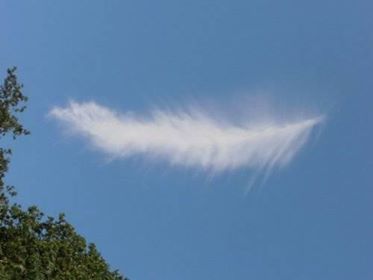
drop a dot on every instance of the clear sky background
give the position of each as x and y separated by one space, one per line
310 220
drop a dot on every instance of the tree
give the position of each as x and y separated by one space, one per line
32 245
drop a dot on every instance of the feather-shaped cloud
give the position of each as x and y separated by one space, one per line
188 139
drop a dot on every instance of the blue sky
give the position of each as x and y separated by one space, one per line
155 217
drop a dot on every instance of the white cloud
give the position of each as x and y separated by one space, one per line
188 139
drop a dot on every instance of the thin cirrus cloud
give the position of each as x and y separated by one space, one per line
188 139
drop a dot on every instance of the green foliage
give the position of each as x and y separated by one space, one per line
11 103
33 246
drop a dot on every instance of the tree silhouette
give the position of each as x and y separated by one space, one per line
34 246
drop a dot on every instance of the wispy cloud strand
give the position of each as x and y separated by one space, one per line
188 139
